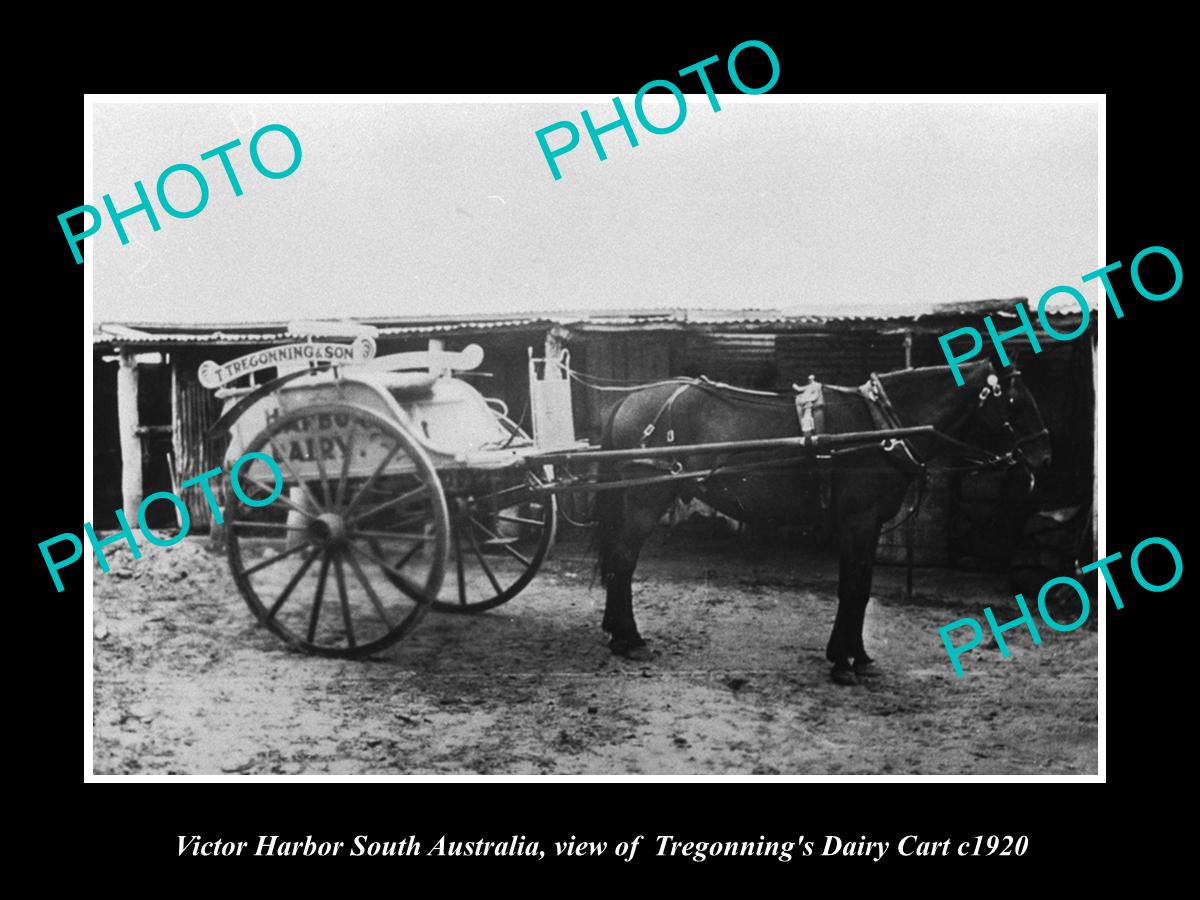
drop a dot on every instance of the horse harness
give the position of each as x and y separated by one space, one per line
665 409
809 404
899 453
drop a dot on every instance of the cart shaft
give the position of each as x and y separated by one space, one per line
814 443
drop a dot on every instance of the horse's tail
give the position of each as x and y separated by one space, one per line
609 509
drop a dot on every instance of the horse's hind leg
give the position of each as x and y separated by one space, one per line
630 520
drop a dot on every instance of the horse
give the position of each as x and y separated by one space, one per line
861 487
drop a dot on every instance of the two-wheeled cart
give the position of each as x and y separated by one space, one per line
398 488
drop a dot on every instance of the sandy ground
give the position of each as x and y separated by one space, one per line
186 683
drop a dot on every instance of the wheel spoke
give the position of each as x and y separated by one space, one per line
502 543
287 591
341 586
520 520
295 475
407 556
483 499
402 582
458 563
282 498
483 562
393 535
371 481
341 487
420 514
375 601
418 518
316 610
272 526
324 476
388 504
274 559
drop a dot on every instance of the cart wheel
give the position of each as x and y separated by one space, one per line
360 498
500 532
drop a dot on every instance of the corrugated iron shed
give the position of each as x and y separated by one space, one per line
914 316
277 333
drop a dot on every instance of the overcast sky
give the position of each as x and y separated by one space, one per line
446 209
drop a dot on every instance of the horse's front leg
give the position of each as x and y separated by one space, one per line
619 621
858 536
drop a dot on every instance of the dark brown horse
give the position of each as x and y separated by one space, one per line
993 416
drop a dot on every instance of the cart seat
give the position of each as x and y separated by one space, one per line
406 386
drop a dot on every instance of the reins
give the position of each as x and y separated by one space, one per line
980 458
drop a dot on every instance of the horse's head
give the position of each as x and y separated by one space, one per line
1009 419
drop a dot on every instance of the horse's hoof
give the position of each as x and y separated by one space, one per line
637 651
867 669
843 675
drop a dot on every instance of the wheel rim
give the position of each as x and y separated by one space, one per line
349 557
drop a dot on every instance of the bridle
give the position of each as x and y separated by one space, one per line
991 396
902 454
994 391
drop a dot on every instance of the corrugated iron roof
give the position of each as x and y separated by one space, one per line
673 318
1058 305
473 325
1065 305
103 336
268 333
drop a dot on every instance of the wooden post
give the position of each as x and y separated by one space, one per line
552 351
131 442
910 523
173 454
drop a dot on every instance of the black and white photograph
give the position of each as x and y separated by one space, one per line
702 431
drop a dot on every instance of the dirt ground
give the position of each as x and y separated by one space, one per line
186 683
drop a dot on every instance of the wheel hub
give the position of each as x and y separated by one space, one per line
327 529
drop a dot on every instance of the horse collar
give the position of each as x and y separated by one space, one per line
898 450
874 390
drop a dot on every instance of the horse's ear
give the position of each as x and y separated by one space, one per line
998 366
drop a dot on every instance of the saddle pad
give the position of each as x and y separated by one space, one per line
810 407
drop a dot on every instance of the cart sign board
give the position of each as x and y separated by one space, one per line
317 443
213 375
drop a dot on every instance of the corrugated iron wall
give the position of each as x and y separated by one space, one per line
615 359
929 530
747 360
837 357
1060 378
106 443
194 411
